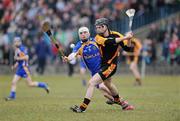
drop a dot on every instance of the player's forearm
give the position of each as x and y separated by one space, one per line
23 58
128 36
118 40
112 40
15 65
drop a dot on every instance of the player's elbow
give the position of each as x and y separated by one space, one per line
26 58
131 67
92 83
13 84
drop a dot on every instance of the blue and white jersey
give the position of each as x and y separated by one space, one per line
22 69
90 54
20 52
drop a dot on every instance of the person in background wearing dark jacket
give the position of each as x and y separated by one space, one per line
42 51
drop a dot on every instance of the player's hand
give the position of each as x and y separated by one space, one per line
129 35
16 58
65 58
12 68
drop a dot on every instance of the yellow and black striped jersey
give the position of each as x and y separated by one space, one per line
109 48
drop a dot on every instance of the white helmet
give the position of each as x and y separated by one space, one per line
83 29
17 39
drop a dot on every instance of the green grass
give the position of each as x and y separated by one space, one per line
157 100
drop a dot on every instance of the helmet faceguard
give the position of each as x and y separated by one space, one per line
102 22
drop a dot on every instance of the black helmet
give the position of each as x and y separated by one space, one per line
102 21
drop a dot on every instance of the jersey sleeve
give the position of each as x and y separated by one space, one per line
109 40
124 46
138 44
77 47
100 40
117 34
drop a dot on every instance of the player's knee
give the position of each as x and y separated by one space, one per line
98 86
13 84
107 83
131 67
91 83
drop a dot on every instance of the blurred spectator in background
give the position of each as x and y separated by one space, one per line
177 55
73 62
23 18
42 51
152 39
31 51
165 47
6 53
154 33
146 50
56 59
173 45
153 51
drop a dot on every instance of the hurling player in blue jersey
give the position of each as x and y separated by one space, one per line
90 54
22 70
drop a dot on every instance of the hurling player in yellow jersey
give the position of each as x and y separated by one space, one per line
89 52
132 59
109 43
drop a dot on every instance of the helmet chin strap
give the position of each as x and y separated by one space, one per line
18 45
85 40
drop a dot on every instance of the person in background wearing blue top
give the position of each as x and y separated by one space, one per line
22 70
89 52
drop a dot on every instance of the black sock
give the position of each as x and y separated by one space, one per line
116 98
138 80
85 103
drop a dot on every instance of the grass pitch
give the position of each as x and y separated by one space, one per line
157 100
